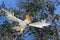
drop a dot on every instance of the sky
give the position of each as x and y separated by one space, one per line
57 11
2 19
9 3
12 3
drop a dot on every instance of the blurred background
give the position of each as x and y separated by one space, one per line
37 9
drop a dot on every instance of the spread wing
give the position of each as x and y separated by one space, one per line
11 17
40 24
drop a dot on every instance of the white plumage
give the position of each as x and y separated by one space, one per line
23 24
40 24
10 16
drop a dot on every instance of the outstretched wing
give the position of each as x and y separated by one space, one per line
11 17
40 24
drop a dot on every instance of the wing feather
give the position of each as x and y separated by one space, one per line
11 17
39 24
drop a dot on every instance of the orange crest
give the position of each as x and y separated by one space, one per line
28 17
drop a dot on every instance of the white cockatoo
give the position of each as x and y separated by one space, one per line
23 24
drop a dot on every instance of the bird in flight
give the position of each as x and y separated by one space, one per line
23 24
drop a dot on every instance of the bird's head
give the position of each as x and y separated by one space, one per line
28 19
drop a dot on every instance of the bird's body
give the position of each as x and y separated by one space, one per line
23 25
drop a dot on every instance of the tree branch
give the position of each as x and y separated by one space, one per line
8 38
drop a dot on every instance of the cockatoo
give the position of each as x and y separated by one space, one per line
23 24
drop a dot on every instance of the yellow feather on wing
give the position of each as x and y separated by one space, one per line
17 28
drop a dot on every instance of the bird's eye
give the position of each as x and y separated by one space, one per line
27 24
